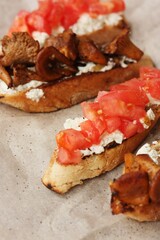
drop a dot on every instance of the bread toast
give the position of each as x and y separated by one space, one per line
61 178
73 90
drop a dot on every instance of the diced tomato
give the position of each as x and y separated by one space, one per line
66 157
153 87
133 84
72 139
19 23
128 96
56 14
37 22
128 128
92 111
117 108
107 7
90 131
113 123
70 17
149 73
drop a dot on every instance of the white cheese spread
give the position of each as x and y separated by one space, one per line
87 24
92 67
148 149
35 94
40 37
5 90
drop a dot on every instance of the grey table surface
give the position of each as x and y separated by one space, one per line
28 210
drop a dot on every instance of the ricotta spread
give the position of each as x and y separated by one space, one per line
5 90
40 37
35 94
149 149
87 24
92 67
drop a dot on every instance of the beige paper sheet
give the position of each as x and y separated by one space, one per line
28 210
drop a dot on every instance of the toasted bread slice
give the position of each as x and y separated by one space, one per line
141 201
61 178
73 90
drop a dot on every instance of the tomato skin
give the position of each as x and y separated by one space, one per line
72 139
65 157
90 131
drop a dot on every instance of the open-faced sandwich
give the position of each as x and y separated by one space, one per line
136 193
114 124
84 54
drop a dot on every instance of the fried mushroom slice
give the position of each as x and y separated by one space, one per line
65 42
123 46
88 52
19 48
22 75
52 65
4 76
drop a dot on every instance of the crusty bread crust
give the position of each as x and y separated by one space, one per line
61 178
74 90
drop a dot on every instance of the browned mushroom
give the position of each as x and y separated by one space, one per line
122 45
19 48
65 42
88 52
4 75
52 65
22 75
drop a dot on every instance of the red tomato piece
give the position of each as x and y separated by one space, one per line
153 87
71 15
117 108
149 73
137 97
133 84
19 24
56 14
92 111
90 131
66 157
113 123
107 7
128 128
72 139
37 22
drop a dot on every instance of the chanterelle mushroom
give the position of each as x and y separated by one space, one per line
19 48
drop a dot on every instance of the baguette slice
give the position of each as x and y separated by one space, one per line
61 178
140 211
73 90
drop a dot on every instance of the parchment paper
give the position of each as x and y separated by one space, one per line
28 210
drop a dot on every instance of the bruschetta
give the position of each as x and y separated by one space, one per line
114 124
67 68
136 193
